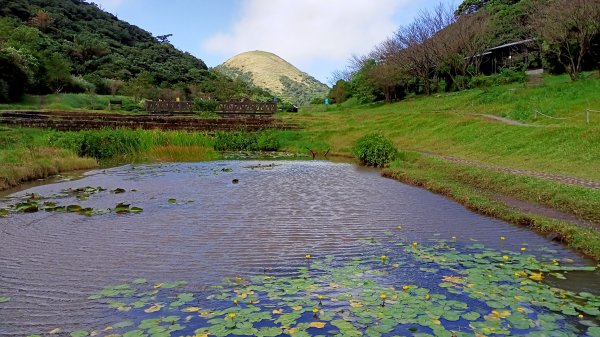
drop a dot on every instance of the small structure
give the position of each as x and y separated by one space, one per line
524 54
113 102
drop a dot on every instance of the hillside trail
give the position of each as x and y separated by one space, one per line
507 121
534 174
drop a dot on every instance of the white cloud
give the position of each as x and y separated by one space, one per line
308 31
108 5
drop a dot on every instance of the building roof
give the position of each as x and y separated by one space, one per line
512 44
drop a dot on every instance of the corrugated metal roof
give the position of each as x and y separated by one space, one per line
512 44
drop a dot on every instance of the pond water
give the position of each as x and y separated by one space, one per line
204 222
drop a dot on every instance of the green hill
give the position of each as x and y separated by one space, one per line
272 73
52 39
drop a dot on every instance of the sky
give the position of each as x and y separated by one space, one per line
317 36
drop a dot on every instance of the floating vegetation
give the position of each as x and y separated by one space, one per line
468 291
4 299
33 203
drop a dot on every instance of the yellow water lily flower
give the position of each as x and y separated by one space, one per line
235 302
414 244
231 315
537 276
191 309
307 256
523 249
505 257
277 311
315 310
405 287
318 325
383 257
580 316
427 297
383 296
502 238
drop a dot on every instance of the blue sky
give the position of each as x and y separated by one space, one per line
317 36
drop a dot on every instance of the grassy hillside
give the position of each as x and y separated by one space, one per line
269 71
449 124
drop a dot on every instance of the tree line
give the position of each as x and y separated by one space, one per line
443 48
54 46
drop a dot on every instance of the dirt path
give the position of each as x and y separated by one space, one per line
506 120
542 175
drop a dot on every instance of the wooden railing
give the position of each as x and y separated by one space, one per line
170 106
232 108
235 107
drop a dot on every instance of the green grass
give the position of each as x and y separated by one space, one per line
25 155
475 188
417 125
557 97
65 102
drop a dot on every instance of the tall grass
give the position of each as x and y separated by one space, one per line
245 141
25 155
108 143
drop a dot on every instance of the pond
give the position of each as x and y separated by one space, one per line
269 248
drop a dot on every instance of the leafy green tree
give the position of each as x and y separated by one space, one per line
340 92
58 71
15 74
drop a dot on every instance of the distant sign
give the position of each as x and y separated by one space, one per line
326 101
275 99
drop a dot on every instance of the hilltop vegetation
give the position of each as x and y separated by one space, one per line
52 46
272 73
453 50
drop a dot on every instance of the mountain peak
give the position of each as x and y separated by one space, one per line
271 72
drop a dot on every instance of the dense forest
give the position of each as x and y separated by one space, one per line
481 43
73 46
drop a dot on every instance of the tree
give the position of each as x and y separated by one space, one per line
567 28
58 71
339 92
41 20
15 74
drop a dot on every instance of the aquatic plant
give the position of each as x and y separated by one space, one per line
472 291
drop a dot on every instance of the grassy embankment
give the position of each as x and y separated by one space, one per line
444 124
27 154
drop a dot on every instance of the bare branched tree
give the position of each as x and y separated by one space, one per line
567 28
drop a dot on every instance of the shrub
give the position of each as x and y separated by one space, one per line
205 105
131 106
375 150
481 81
267 141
